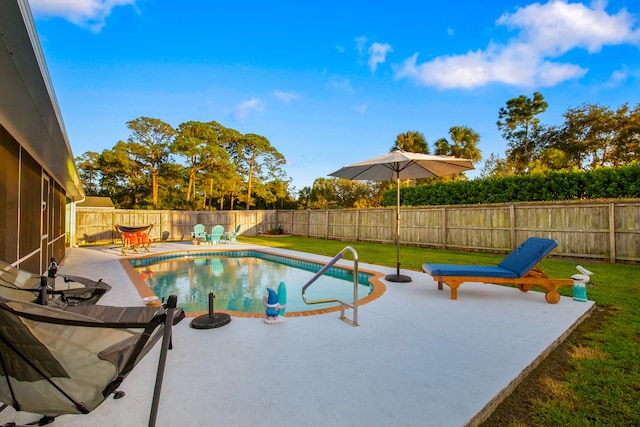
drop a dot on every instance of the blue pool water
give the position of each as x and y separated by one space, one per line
239 280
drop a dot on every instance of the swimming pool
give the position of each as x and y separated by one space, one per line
239 280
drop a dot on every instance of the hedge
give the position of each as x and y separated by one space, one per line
604 183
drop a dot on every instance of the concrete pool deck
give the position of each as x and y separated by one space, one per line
417 358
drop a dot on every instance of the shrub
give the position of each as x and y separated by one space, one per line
603 183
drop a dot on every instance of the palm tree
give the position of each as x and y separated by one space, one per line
411 141
464 144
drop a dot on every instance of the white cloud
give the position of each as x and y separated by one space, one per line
557 26
85 13
340 83
551 74
617 78
361 44
285 97
378 54
545 32
242 110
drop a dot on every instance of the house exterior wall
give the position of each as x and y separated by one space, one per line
32 213
37 183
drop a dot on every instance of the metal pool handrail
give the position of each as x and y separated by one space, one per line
323 270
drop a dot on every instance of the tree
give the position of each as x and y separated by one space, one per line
89 172
495 166
172 186
276 191
328 193
304 197
227 137
519 125
256 157
596 136
554 151
628 146
464 144
231 187
550 159
198 143
411 141
322 193
122 178
149 145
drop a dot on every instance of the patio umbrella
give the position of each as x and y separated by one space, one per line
402 165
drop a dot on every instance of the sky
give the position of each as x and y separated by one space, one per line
334 82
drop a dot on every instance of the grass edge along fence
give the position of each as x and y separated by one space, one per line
598 230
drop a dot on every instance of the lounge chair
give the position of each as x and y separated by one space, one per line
68 360
134 237
144 241
30 287
129 243
518 268
230 237
216 233
198 233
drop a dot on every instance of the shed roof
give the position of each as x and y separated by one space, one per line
96 202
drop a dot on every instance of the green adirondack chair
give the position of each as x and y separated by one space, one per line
230 237
198 232
216 234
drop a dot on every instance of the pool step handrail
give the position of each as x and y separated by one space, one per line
343 304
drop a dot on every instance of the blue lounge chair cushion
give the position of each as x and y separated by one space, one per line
467 270
527 255
517 264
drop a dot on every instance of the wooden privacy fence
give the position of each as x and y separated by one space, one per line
604 230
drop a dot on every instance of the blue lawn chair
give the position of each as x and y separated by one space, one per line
519 268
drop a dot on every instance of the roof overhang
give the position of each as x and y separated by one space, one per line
28 106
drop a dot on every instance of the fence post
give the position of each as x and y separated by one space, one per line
512 223
612 232
113 228
326 226
443 227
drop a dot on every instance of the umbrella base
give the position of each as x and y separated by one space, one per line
208 321
397 278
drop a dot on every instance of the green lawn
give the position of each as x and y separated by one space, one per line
601 383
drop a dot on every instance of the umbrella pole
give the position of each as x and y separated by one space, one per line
398 278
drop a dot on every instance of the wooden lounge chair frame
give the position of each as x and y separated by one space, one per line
520 268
